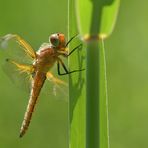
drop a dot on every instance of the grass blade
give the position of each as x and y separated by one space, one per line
96 108
94 20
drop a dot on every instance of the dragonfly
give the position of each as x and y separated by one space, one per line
38 70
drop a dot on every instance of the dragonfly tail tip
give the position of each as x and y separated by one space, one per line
7 60
21 135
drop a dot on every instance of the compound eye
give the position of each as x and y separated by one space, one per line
54 39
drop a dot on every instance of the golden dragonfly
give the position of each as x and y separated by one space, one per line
41 62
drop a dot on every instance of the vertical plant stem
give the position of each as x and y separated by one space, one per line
92 93
96 95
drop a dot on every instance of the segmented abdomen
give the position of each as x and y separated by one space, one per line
37 84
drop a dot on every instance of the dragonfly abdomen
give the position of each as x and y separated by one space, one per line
37 84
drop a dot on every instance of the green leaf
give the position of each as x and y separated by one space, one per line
94 20
96 16
77 82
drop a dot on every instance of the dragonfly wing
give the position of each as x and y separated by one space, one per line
17 57
55 80
55 87
20 74
27 48
14 47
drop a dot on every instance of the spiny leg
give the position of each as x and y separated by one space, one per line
71 40
65 52
66 71
80 45
77 47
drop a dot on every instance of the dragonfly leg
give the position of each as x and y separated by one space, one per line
77 47
65 69
71 40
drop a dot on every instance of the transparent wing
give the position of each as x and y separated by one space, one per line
55 87
19 74
14 47
16 58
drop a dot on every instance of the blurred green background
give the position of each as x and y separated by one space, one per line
34 20
127 71
127 74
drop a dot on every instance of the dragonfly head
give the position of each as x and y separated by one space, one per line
58 40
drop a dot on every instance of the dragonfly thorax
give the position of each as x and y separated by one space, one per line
46 57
